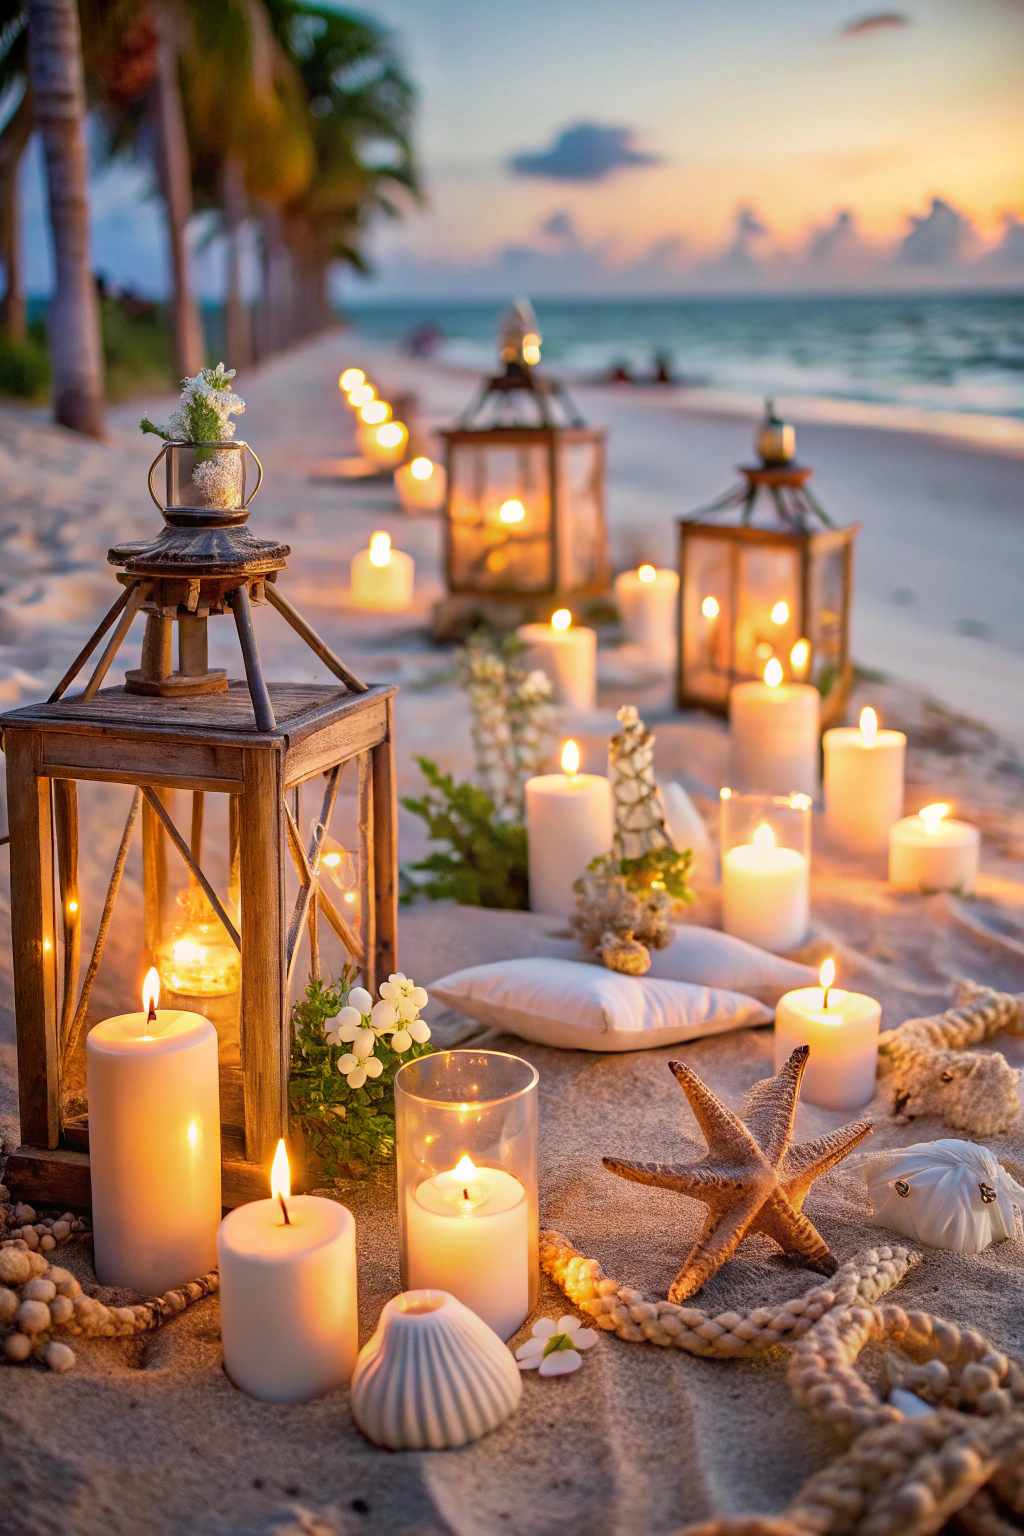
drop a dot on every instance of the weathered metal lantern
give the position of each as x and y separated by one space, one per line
525 513
241 752
765 573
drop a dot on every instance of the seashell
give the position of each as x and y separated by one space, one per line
433 1377
948 1193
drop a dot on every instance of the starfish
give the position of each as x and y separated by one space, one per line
753 1178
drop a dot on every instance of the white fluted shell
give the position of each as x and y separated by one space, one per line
433 1377
949 1193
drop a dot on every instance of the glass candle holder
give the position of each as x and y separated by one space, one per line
466 1137
766 868
204 478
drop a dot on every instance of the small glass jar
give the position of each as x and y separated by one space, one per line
466 1137
766 868
204 477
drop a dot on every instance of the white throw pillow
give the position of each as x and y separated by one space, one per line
716 959
576 1006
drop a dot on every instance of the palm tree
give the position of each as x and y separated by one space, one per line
58 94
176 182
14 137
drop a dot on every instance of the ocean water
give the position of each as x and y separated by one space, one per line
932 352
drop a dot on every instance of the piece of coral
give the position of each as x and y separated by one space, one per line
753 1178
610 920
639 814
933 1071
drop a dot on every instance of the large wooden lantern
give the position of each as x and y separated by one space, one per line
237 784
765 573
525 513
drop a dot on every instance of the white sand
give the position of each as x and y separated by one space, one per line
148 1436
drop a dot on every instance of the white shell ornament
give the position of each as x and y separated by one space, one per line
433 1377
948 1193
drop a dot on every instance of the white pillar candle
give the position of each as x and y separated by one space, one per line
647 600
382 577
863 784
382 442
289 1321
468 1234
568 654
569 821
421 485
928 852
774 728
154 1146
765 893
841 1029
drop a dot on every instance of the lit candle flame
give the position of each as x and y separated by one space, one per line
151 992
647 573
868 725
561 619
780 613
376 412
391 434
281 1179
361 395
826 976
709 608
773 672
380 548
764 839
932 817
512 512
421 469
465 1169
531 349
570 759
800 655
351 379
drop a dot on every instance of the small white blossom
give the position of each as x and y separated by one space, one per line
382 1016
554 1349
347 1063
399 987
360 1000
373 1067
401 1040
364 1043
419 1031
357 1077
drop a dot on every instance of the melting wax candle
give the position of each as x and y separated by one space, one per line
765 892
567 652
382 577
773 731
863 784
841 1029
569 821
932 852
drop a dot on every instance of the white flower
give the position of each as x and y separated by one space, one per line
419 1031
555 1348
350 1022
364 1043
401 1040
398 988
382 1016
360 1000
372 1067
407 1010
347 1063
356 1078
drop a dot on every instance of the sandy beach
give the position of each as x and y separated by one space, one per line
150 1436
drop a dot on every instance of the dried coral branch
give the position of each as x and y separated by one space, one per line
639 815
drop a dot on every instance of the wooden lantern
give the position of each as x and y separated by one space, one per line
525 510
765 573
190 729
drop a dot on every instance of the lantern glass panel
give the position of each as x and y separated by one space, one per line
828 589
767 606
707 616
580 516
500 517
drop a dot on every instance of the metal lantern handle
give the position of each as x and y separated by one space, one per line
243 446
152 473
259 478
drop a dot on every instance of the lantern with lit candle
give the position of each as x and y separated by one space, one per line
466 1139
841 1030
248 761
525 517
933 852
765 574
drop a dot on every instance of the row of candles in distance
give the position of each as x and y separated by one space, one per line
288 1263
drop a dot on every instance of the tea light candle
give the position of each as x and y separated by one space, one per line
421 485
382 577
568 654
646 600
774 728
929 852
863 784
569 821
841 1029
765 893
289 1322
468 1234
154 1145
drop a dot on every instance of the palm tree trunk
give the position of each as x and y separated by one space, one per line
176 189
237 338
58 92
13 141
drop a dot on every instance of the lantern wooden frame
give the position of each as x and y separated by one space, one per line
192 730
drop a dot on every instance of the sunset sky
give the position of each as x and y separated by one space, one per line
654 145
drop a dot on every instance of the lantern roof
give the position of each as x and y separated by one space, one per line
518 396
773 494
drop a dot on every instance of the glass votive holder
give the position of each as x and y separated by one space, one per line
466 1140
766 868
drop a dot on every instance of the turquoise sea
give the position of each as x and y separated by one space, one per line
958 352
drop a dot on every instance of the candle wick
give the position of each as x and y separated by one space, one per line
465 1195
824 1001
151 1015
284 1208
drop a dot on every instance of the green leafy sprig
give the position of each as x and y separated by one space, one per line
485 862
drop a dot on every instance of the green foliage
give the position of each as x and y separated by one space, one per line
485 862
351 1131
24 367
138 356
659 869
